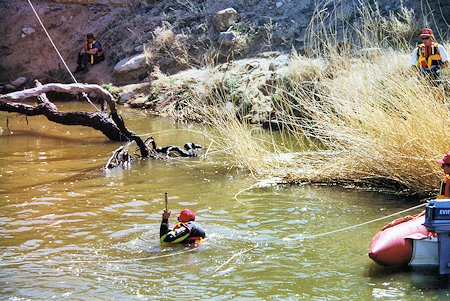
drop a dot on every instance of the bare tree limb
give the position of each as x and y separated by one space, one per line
64 88
113 128
96 120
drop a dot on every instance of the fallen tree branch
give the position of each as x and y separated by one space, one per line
112 125
121 157
113 128
96 120
64 88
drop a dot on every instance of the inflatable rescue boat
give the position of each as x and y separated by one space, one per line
393 245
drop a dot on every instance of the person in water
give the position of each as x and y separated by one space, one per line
185 231
444 188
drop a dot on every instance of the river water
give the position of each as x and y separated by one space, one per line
70 231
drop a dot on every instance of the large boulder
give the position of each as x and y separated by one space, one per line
131 63
19 82
132 69
224 19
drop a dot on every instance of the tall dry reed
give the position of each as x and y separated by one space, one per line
355 114
239 141
378 124
371 124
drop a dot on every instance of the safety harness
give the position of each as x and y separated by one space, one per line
90 46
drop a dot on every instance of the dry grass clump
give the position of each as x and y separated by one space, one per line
238 140
377 124
346 32
375 30
371 124
172 95
164 37
174 47
302 69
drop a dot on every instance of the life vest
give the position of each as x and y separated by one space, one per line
181 224
90 46
444 189
428 57
190 228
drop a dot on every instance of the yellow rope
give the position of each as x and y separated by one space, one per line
338 230
237 254
359 225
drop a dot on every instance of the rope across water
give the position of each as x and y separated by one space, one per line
226 262
362 224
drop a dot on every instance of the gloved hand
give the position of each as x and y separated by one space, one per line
435 69
166 215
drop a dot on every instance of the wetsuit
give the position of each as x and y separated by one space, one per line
183 232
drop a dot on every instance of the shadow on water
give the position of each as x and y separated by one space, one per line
429 279
379 272
422 278
85 174
32 134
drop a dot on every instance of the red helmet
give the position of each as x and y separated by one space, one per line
186 216
426 32
445 159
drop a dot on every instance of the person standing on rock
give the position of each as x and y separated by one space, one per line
91 53
429 58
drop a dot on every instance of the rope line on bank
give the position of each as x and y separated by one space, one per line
59 54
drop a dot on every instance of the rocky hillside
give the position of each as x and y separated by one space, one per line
177 35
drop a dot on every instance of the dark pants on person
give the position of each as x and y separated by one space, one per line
432 78
85 58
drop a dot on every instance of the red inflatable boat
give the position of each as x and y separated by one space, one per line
391 246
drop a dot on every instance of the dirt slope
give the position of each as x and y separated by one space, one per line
32 55
123 30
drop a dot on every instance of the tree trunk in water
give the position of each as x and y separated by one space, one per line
113 128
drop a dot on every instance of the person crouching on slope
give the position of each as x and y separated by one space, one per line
91 53
185 231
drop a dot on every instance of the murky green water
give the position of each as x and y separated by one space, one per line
69 231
